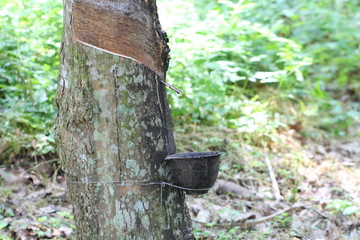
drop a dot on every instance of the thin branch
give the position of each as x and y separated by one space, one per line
321 214
43 163
274 182
252 223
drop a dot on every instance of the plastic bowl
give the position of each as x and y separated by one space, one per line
194 170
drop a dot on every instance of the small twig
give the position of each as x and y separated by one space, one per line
300 235
274 183
252 223
42 163
321 214
54 176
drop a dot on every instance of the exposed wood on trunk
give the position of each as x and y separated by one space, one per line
125 28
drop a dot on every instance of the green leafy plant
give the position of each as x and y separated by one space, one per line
224 57
42 234
3 224
233 233
250 57
29 45
199 234
284 220
342 206
236 61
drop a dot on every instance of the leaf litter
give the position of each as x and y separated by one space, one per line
320 193
33 206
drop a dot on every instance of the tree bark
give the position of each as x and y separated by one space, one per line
114 122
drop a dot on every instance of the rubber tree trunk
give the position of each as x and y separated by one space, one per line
114 123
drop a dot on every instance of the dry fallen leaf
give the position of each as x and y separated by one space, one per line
13 177
23 234
35 180
56 232
204 216
351 147
354 234
65 231
36 195
46 210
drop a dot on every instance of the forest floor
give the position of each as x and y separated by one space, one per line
296 189
314 194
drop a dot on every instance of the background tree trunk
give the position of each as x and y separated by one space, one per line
114 122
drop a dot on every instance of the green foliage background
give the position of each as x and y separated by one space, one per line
30 34
256 66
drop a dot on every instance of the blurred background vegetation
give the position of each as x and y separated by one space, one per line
262 79
255 67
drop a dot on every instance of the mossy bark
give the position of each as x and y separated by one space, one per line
114 124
